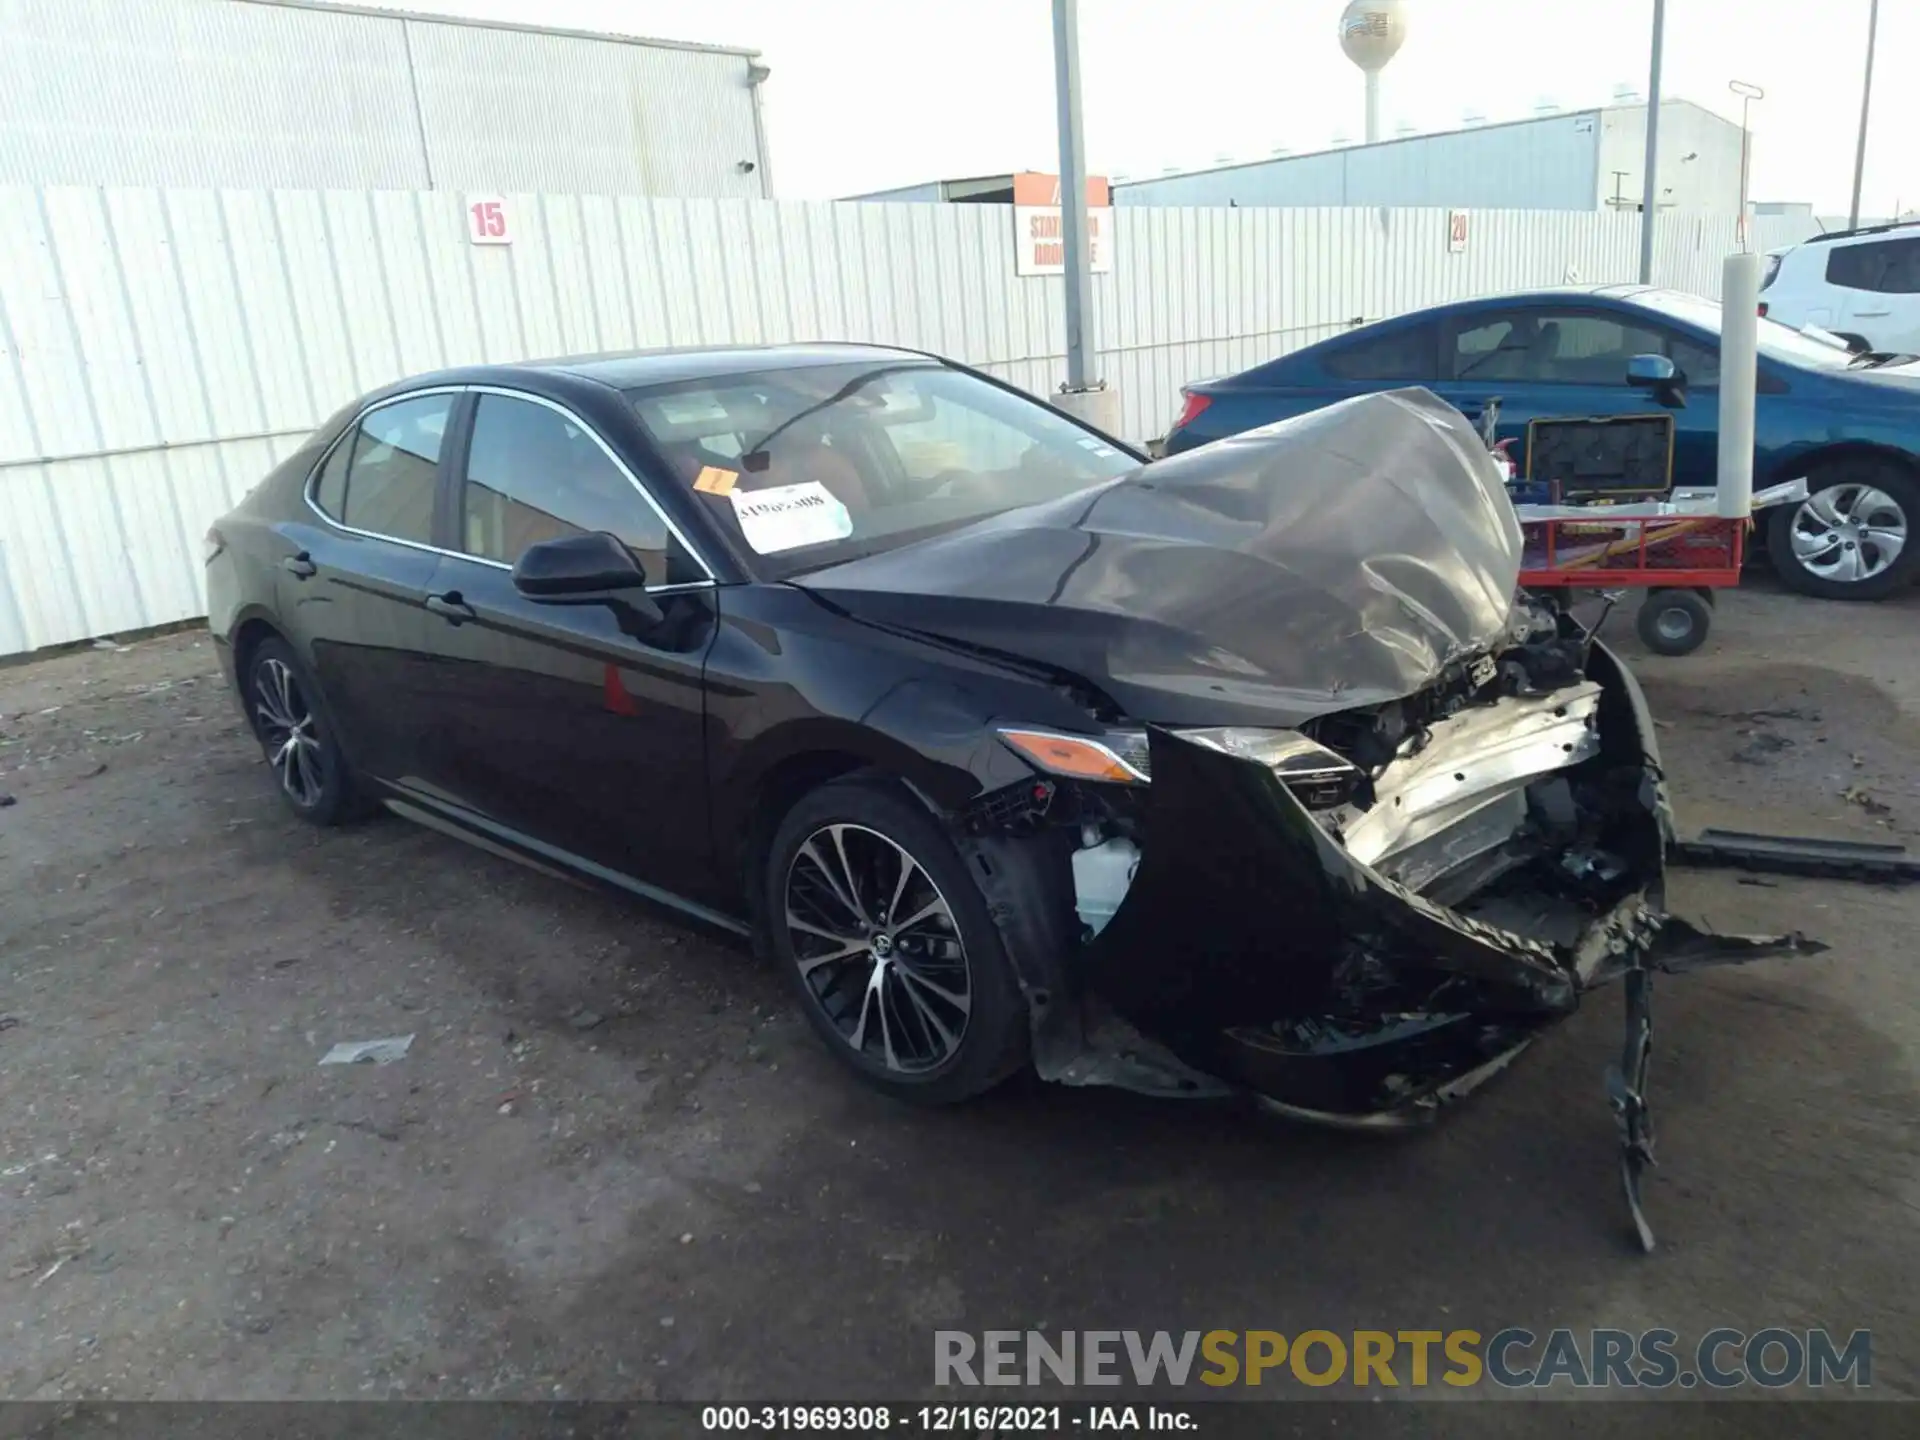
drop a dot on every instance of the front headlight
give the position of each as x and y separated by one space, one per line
1318 778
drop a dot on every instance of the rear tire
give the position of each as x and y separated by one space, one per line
291 721
1853 537
860 882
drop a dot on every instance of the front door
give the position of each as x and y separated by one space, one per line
1553 362
574 726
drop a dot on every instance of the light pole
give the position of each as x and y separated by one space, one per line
1650 194
1866 107
1082 357
1748 94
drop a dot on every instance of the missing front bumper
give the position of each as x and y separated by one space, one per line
1257 948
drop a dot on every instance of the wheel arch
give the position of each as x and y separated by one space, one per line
1808 463
247 636
787 764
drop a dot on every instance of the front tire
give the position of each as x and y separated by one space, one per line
291 722
875 919
1851 539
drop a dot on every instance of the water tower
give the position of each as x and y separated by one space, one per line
1372 32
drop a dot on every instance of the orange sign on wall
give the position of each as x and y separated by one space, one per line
1039 248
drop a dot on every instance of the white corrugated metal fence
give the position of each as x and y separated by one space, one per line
161 350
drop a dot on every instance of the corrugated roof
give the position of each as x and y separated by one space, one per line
482 23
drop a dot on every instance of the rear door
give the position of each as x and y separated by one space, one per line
354 592
572 726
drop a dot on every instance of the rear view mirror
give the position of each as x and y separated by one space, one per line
1658 374
578 567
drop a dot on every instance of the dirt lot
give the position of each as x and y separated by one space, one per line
614 1164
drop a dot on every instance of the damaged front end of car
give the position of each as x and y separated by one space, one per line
1363 919
1353 820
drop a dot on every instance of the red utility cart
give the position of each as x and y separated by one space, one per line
1678 558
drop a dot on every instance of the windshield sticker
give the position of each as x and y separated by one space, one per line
1096 446
712 480
789 516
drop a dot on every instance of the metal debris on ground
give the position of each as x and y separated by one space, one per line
376 1052
1798 855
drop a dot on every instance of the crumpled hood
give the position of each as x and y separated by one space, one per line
1339 559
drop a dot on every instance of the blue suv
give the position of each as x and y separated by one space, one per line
1849 423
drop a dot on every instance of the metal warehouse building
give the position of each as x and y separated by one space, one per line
294 94
1579 160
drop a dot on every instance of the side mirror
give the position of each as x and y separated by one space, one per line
578 567
1658 374
591 569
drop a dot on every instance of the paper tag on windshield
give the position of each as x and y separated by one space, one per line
789 516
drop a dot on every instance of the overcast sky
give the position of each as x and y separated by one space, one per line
868 94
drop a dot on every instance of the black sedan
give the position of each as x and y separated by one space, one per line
1245 772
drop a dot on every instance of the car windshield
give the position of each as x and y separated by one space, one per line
1777 341
810 466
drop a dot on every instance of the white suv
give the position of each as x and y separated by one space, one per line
1863 285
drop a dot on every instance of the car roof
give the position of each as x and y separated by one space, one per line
1558 294
639 369
1830 236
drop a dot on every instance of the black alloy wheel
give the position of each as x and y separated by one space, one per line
290 721
873 914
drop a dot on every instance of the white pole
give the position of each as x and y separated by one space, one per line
1739 378
1082 357
1866 110
1373 106
1650 205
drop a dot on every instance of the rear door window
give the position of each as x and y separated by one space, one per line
381 479
1885 267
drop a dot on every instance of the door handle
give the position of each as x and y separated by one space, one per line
1872 314
450 606
301 565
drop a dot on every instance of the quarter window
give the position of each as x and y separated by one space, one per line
331 492
1401 355
534 474
381 479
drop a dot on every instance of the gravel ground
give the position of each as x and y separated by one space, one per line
614 1163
